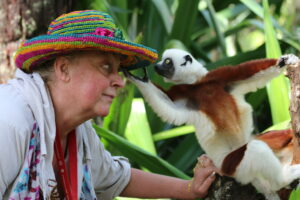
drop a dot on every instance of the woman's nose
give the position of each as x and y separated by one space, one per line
117 80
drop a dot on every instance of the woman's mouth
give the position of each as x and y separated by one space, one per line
110 97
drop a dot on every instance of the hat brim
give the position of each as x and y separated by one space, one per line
42 48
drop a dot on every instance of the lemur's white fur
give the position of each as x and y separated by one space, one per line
259 165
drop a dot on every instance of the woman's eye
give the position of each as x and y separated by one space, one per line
106 67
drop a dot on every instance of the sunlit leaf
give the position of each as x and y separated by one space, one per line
278 88
175 132
165 13
138 131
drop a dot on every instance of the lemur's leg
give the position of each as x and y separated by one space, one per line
261 78
263 169
160 102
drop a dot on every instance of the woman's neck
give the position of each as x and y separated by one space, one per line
67 117
68 114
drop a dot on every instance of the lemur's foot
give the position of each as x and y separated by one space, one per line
288 60
135 78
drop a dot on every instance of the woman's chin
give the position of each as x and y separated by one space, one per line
103 112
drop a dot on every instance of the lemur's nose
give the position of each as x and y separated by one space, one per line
164 70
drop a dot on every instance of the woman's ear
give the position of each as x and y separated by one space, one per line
61 68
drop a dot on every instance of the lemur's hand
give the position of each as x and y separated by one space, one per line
288 60
136 79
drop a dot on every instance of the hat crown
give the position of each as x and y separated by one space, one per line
85 22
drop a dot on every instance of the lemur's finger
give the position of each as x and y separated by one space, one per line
146 77
125 72
288 59
133 77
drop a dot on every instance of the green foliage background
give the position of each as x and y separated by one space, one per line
219 32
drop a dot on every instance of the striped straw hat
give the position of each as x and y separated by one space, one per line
82 30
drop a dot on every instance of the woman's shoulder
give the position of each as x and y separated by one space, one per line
15 113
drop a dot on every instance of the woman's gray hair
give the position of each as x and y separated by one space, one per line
45 70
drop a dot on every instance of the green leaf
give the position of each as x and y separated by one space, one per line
259 11
184 22
186 153
295 195
215 25
278 88
272 46
119 8
254 7
175 132
138 131
165 14
134 153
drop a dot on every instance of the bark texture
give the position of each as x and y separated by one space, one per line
23 19
225 188
293 73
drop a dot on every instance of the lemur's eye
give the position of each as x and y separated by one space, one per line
168 61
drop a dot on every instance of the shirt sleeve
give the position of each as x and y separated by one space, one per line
12 155
110 174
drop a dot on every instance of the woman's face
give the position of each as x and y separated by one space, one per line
95 80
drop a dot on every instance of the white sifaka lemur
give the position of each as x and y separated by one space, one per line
214 103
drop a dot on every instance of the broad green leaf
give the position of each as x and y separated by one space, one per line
254 7
138 131
119 8
295 195
278 88
175 132
216 27
134 153
259 11
185 17
100 5
165 14
185 155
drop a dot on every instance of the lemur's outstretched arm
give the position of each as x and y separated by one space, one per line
267 71
160 102
240 72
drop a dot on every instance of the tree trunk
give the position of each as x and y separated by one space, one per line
225 188
293 74
23 19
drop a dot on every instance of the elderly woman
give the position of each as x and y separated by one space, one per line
49 148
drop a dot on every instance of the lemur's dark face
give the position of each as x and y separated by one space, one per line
165 68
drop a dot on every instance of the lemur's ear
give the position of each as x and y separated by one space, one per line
187 58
